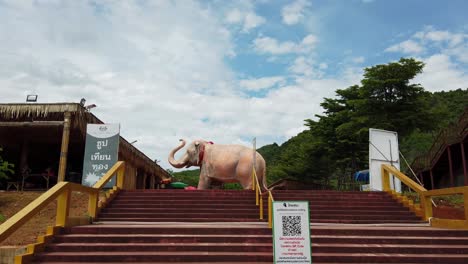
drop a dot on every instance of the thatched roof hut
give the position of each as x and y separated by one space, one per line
32 135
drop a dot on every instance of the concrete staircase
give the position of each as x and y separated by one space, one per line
174 226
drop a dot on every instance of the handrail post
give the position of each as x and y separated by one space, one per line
426 205
120 176
385 179
63 208
270 217
465 201
256 196
261 208
93 204
253 179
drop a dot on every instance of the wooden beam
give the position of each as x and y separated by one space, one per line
64 148
465 173
452 180
32 124
432 179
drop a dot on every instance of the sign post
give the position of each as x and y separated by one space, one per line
101 152
291 232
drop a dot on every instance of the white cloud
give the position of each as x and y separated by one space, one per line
294 12
243 14
234 16
359 59
270 45
302 66
441 73
408 47
445 58
261 83
252 21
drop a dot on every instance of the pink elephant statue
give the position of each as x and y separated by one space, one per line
221 163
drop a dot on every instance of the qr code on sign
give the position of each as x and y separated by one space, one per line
291 225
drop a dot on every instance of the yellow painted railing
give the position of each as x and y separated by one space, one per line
259 198
62 192
425 198
449 223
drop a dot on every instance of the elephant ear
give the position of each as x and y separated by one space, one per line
197 148
200 147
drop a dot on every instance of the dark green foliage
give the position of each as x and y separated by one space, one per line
6 168
189 177
232 186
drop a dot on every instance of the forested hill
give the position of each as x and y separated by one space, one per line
336 143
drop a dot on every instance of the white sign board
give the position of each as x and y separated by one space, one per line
383 149
291 232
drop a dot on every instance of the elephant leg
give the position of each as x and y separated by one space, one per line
244 173
204 183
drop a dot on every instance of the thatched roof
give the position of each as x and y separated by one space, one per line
49 112
80 117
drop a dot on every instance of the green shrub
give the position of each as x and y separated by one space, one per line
5 168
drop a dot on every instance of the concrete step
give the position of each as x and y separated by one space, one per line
202 210
389 248
192 198
256 247
157 257
164 238
167 219
172 228
163 247
388 258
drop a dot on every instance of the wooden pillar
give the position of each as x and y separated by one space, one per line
24 155
465 173
24 168
64 148
432 179
145 178
152 181
452 180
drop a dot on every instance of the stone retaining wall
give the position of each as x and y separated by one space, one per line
8 253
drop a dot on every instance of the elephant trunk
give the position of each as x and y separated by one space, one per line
178 163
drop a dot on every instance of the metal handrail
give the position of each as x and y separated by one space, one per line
62 192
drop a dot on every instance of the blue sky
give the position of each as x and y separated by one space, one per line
225 71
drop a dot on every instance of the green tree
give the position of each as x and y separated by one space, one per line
385 99
5 168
